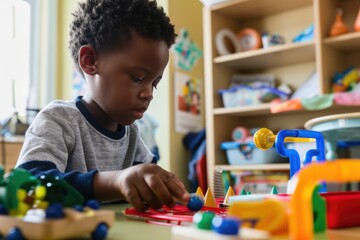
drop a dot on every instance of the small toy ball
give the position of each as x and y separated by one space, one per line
226 225
100 232
15 234
93 204
79 208
203 220
195 203
54 211
3 210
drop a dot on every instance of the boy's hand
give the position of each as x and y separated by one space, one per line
148 185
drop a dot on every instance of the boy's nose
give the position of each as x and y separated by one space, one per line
147 95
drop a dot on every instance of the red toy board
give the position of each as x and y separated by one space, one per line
179 215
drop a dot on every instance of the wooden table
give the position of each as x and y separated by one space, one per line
129 229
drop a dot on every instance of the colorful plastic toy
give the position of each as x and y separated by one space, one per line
28 210
265 138
340 170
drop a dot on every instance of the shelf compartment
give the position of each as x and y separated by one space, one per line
249 9
264 109
345 43
276 56
261 109
240 168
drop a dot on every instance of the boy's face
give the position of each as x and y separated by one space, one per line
125 80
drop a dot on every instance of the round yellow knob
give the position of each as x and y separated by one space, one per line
264 138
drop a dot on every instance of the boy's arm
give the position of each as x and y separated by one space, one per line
144 185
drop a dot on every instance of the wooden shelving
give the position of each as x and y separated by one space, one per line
268 167
291 64
344 43
249 9
288 54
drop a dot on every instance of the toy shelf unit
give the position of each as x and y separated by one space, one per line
287 44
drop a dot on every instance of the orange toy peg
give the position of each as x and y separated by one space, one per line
339 26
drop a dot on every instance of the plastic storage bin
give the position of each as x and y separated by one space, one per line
242 95
239 153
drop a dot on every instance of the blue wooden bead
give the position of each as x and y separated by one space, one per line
195 203
226 225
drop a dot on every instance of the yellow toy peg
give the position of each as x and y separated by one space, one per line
209 200
199 192
229 193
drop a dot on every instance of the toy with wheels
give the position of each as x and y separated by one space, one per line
48 208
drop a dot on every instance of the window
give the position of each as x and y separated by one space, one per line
15 56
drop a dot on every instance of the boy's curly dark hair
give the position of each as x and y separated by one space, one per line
108 24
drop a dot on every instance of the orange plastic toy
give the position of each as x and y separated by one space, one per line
301 217
357 23
339 26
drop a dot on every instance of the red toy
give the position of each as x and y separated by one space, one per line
179 215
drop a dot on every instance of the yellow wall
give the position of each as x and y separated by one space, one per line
159 109
184 14
65 64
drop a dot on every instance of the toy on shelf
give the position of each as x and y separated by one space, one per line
346 80
357 22
272 40
306 35
249 39
47 208
338 26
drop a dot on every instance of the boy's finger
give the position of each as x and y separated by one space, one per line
134 199
148 196
176 187
160 190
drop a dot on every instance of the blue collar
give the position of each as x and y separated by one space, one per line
85 112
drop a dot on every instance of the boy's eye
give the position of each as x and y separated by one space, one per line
137 79
156 82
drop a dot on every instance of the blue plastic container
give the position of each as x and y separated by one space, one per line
239 153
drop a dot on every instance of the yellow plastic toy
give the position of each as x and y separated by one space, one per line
271 214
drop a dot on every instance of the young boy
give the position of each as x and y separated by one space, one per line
121 47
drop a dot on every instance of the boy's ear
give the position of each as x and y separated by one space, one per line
87 59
